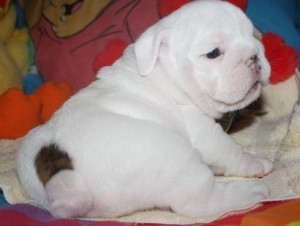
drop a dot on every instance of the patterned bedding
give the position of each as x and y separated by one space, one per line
269 214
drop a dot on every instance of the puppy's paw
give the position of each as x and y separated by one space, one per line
260 190
247 193
243 194
250 166
266 167
222 198
251 191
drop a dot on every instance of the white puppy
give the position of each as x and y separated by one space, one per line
144 134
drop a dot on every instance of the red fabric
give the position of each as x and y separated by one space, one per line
282 58
24 214
113 50
165 7
3 3
12 218
72 59
239 3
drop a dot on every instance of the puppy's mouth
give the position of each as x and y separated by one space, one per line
256 86
248 98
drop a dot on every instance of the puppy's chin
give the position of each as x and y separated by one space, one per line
240 87
241 99
253 93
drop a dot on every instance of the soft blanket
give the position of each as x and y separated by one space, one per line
274 134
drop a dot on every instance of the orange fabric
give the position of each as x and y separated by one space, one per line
53 95
279 215
18 113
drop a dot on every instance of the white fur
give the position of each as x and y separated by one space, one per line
144 134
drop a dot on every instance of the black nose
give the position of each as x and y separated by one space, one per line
254 58
253 64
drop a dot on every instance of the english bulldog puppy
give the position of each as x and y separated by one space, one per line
144 134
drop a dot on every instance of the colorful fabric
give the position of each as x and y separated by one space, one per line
72 58
274 213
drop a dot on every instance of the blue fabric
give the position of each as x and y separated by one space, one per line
3 201
277 16
31 82
21 21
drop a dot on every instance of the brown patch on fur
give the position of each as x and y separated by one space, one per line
50 160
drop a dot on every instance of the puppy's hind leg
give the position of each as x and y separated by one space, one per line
202 196
68 195
66 189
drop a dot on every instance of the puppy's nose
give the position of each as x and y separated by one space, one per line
253 64
252 60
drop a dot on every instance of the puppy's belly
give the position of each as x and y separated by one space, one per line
127 163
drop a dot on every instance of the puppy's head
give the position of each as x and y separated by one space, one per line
207 47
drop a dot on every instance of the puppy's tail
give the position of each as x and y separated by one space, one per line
50 160
66 189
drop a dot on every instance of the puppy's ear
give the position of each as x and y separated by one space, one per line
147 48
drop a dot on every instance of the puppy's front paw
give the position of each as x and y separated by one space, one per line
266 166
251 166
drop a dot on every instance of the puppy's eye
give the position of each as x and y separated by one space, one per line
213 54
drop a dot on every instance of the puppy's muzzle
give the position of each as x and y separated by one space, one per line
253 64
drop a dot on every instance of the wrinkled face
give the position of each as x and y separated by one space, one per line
221 63
208 48
230 70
